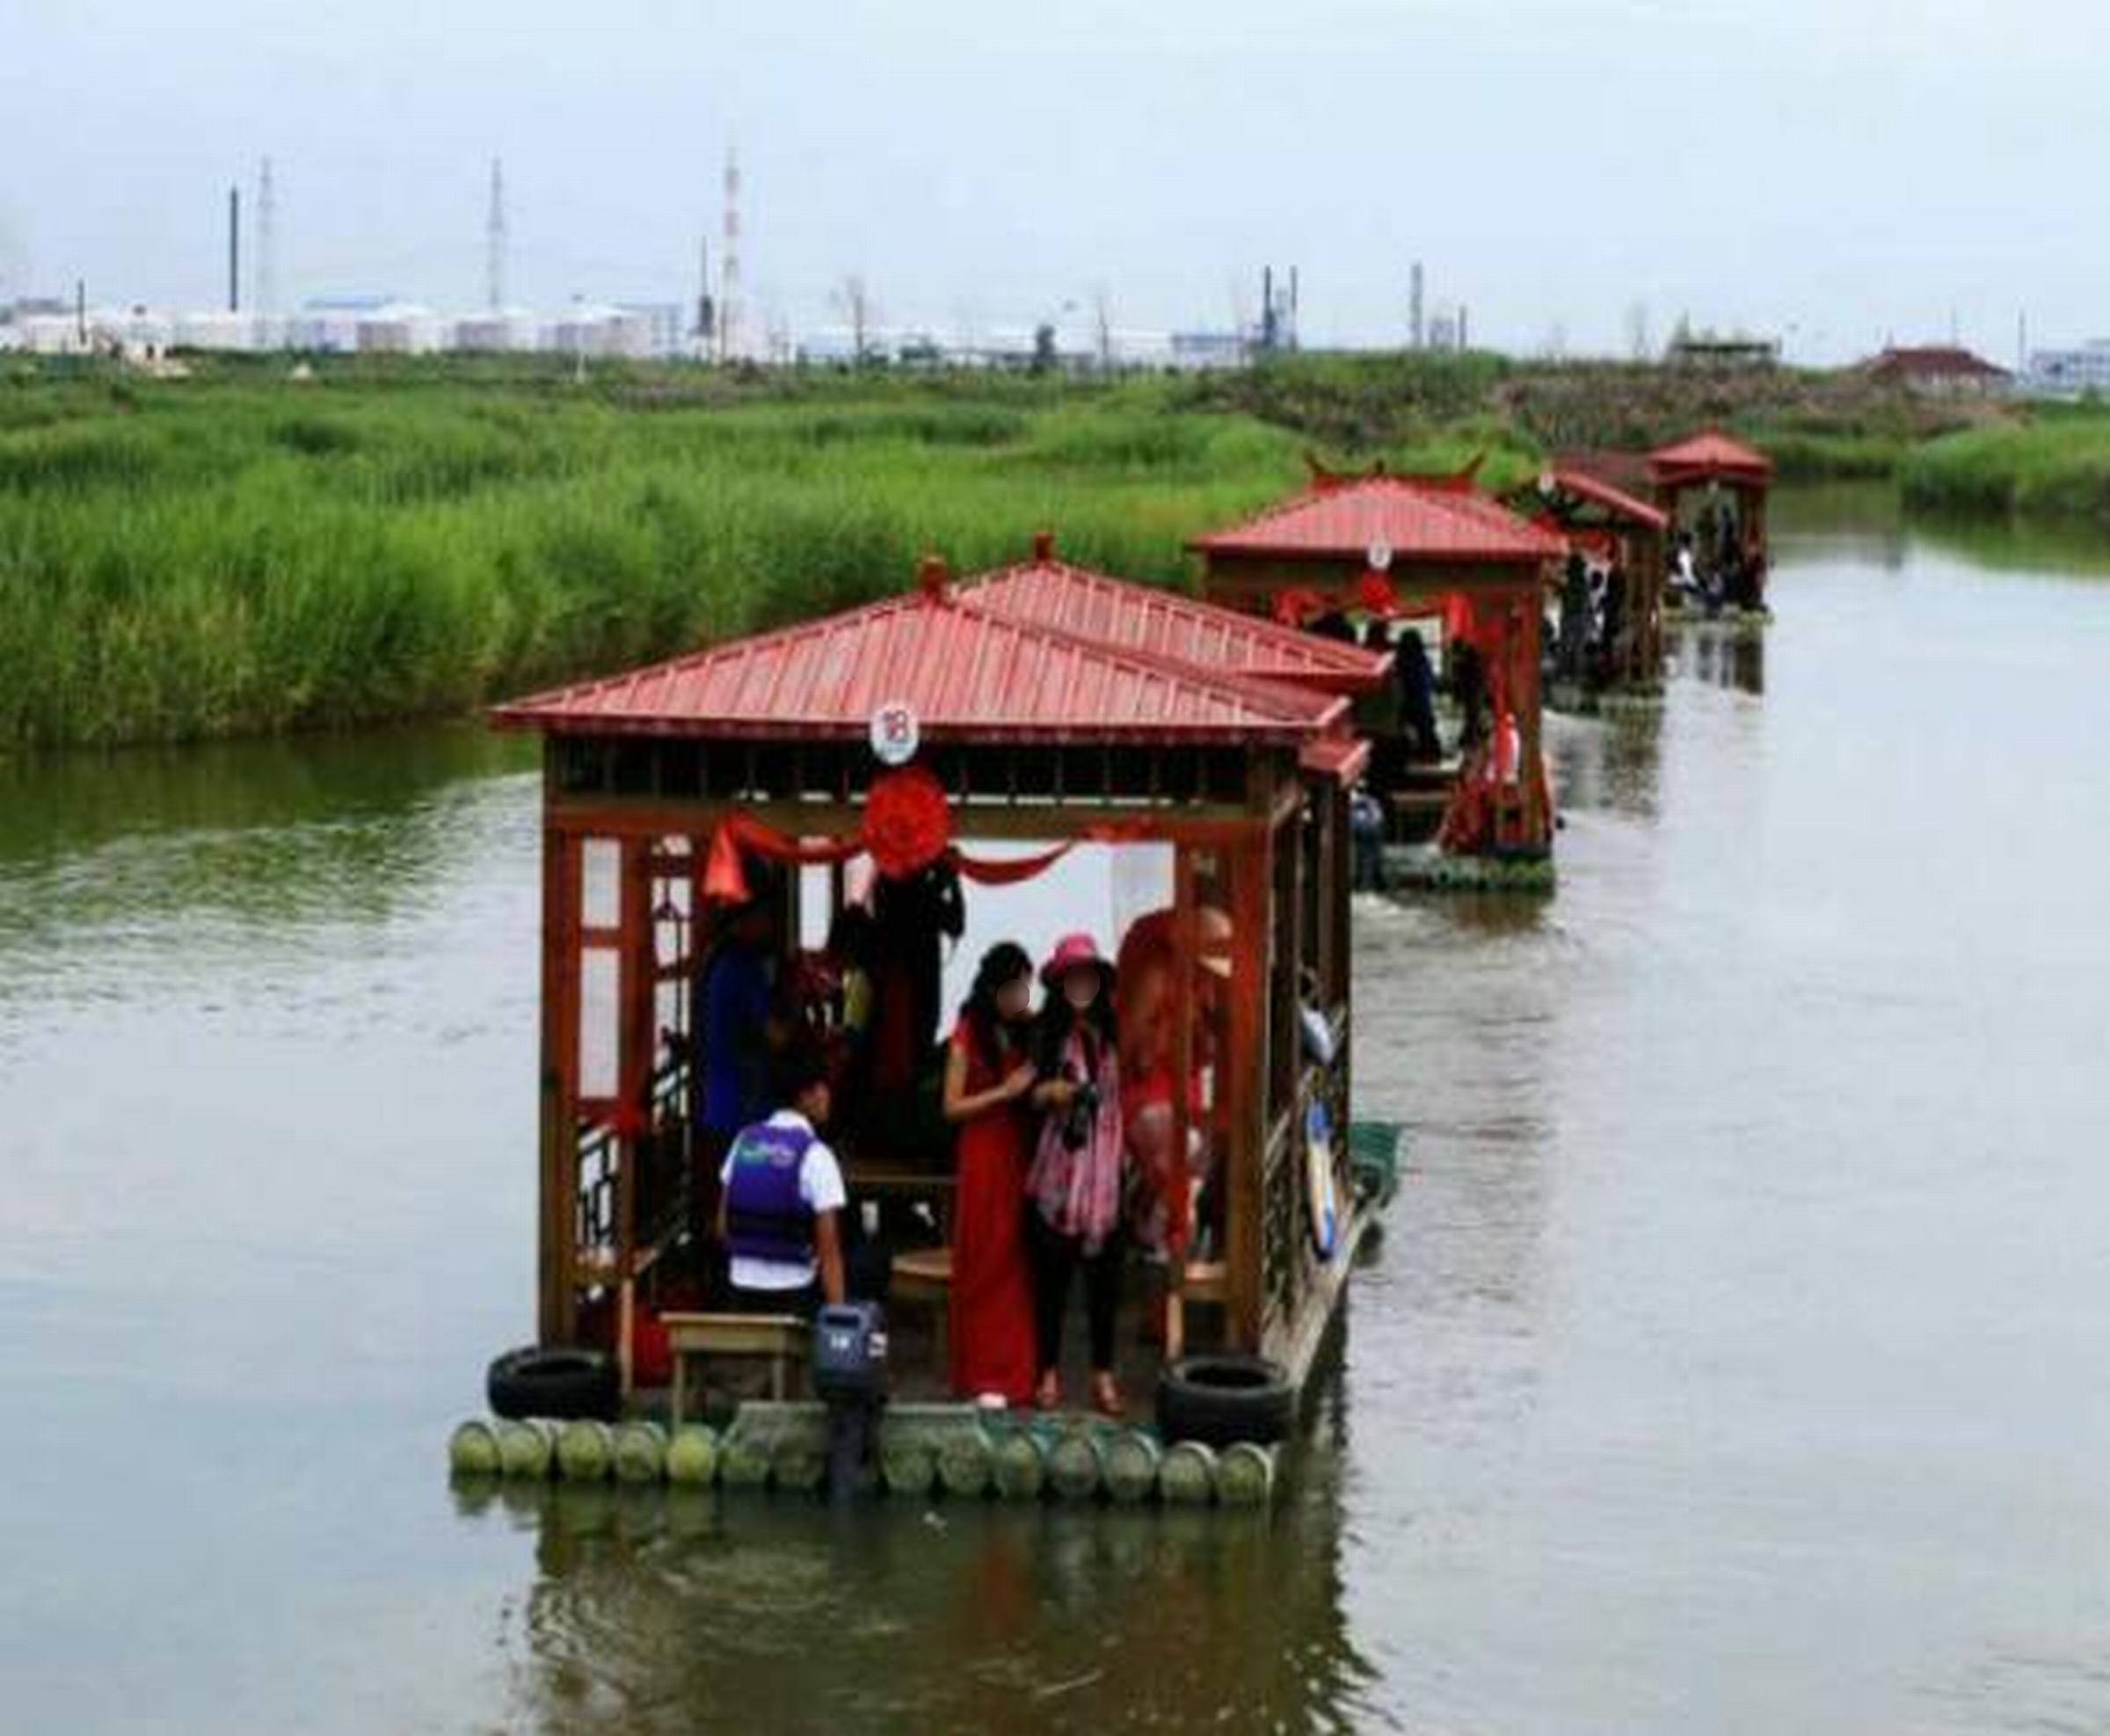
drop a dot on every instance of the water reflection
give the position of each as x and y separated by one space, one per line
1717 654
683 1610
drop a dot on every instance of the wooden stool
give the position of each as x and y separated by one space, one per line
925 1275
781 1337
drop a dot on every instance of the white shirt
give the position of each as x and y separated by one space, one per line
819 1186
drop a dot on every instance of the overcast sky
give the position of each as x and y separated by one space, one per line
1834 170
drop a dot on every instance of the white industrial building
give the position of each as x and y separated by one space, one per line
2069 374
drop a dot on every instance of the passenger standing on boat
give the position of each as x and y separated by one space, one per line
989 1073
1575 618
781 1202
737 1035
1074 1186
1416 682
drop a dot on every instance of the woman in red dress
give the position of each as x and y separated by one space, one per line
988 1074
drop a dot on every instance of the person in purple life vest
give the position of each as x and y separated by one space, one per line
780 1206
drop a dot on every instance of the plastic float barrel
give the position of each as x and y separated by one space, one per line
1187 1474
1130 1459
640 1452
1020 1465
527 1449
586 1450
692 1456
472 1449
1076 1466
1245 1474
966 1461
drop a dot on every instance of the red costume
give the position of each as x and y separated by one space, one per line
992 1346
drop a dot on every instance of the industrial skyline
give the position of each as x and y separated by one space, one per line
1828 174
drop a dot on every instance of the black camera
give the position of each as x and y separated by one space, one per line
1078 1118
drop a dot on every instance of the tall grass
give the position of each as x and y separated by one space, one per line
247 554
2056 463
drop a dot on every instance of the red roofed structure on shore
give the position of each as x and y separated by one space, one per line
1386 544
910 731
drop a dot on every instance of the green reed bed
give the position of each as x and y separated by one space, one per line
187 559
2055 463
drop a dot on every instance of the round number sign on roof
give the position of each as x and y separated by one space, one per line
1379 556
896 734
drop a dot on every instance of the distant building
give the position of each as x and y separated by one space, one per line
1731 354
1937 370
1195 352
2070 373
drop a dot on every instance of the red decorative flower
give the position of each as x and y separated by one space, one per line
907 821
1377 595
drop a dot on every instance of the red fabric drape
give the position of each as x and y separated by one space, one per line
725 881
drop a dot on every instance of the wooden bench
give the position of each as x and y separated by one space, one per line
782 1338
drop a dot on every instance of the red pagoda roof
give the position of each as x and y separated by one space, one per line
1709 455
967 672
1143 618
1621 506
1416 517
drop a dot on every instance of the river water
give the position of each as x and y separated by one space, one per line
1733 1359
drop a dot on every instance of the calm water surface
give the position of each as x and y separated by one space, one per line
1734 1359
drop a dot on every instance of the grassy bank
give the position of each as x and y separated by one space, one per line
208 558
241 552
2054 464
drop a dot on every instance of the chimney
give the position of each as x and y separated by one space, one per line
934 577
1043 547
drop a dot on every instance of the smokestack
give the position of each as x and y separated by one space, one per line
1414 317
234 250
1267 307
1465 340
1292 307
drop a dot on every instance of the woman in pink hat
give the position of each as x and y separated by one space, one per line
1073 1188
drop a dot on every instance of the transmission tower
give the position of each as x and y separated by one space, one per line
267 255
729 262
494 240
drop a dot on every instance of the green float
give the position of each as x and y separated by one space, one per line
1020 1465
527 1450
586 1452
692 1456
1245 1474
1076 1466
1187 1474
1131 1460
640 1452
966 1462
472 1451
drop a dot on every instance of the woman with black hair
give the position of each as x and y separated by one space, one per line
1074 1211
989 1072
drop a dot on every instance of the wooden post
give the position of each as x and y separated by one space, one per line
1250 1069
556 1311
637 1046
1538 824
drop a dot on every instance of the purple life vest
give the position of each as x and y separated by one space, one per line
767 1217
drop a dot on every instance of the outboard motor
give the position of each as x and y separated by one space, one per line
849 1377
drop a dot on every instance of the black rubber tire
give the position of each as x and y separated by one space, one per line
1218 1399
562 1383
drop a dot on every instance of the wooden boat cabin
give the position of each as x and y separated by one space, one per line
1616 529
970 736
1387 549
1713 489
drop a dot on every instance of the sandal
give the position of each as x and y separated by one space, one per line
1048 1395
1106 1397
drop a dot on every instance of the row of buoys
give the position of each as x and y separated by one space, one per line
964 1460
1427 867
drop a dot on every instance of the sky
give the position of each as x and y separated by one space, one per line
1833 172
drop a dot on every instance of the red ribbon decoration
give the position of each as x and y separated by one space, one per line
906 839
1378 595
